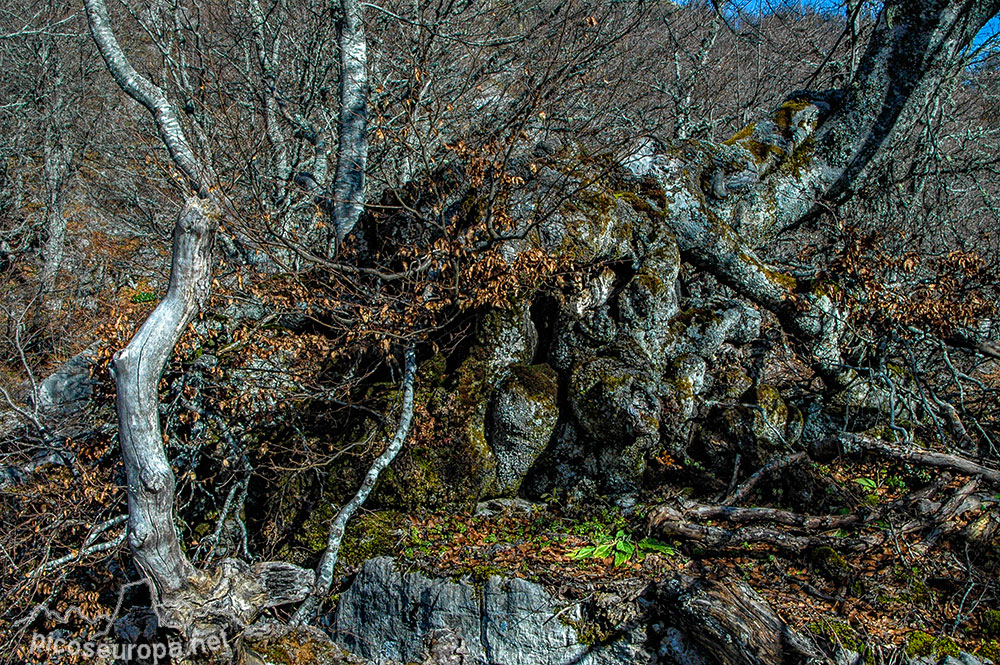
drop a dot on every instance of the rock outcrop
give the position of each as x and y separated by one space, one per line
389 615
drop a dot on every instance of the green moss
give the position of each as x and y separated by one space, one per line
917 589
316 529
800 159
448 460
947 647
591 633
644 205
369 536
539 382
919 643
989 650
991 624
785 114
769 399
786 282
651 282
829 564
480 574
744 133
762 151
683 388
841 634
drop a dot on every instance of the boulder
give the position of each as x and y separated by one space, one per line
522 416
66 391
391 615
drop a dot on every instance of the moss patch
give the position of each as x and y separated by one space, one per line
841 634
919 643
829 564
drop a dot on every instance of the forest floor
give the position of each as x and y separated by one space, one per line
930 592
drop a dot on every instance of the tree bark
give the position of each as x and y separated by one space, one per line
150 96
137 369
348 186
58 157
723 202
730 623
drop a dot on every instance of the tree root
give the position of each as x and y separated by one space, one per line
700 522
853 444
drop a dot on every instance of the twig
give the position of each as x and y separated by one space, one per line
87 548
743 490
856 442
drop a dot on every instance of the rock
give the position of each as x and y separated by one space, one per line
453 461
446 647
522 416
387 614
618 409
495 507
963 658
66 391
968 659
844 656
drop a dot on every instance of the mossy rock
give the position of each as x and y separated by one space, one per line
448 459
830 564
920 644
523 414
315 530
771 421
604 393
370 535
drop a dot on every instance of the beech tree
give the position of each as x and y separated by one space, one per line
724 203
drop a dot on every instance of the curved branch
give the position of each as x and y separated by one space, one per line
150 96
324 571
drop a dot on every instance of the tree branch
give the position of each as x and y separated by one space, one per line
324 570
348 186
150 96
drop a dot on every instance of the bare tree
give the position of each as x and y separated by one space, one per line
244 117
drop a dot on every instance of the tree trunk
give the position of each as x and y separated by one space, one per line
731 624
724 202
137 369
56 169
348 185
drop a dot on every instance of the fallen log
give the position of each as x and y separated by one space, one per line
728 622
853 444
688 522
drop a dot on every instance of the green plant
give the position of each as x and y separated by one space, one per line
895 482
622 547
866 483
991 623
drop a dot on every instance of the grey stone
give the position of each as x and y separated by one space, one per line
967 658
501 506
847 657
387 614
522 416
67 390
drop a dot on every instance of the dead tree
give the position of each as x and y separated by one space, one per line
190 600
